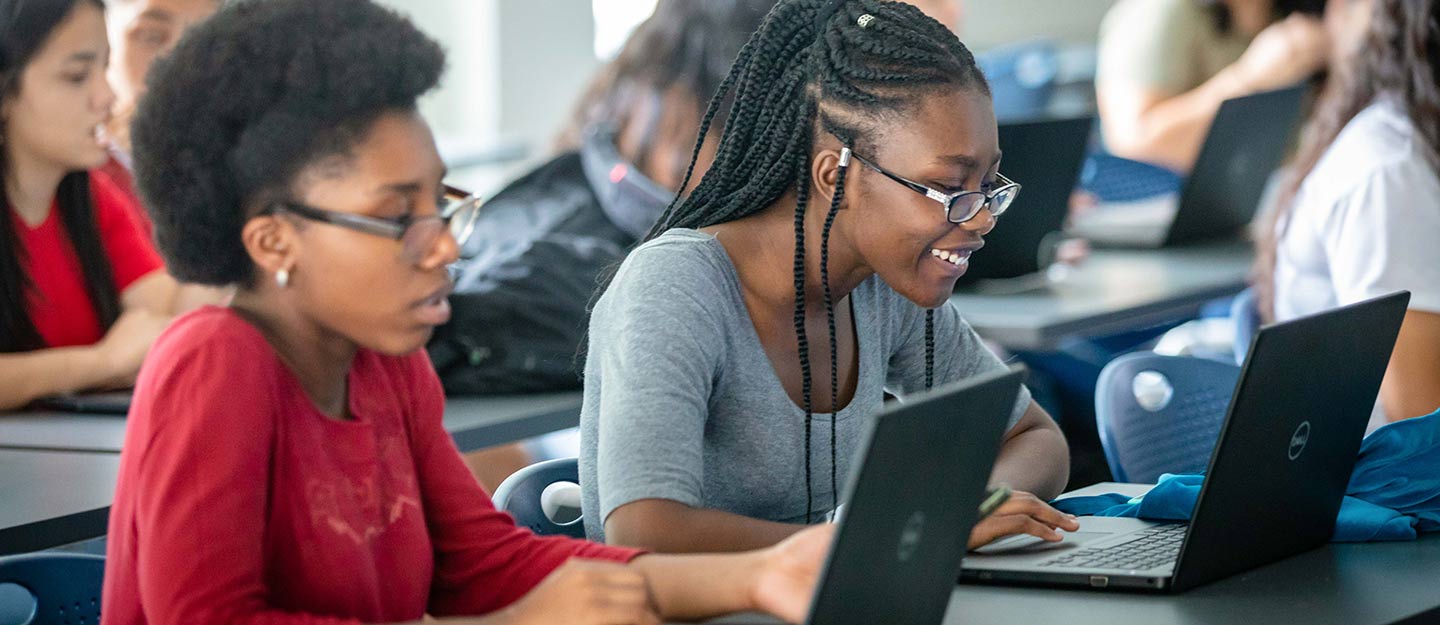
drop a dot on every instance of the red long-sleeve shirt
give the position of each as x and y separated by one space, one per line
239 502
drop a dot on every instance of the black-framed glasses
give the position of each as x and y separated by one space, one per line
959 207
417 235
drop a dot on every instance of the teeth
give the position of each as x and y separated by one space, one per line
954 259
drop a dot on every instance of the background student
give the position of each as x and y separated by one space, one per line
140 31
1361 216
543 241
1166 65
82 292
332 493
711 420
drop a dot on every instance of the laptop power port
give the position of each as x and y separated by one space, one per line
1099 581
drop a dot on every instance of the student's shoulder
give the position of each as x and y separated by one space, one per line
1126 15
1380 145
215 334
678 259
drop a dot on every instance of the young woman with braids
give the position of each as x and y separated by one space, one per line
1362 216
735 354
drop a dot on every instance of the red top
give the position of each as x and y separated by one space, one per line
59 304
125 182
239 502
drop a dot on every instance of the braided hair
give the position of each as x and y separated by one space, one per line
834 66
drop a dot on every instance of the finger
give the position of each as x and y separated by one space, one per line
1025 524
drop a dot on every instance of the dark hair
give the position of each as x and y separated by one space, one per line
816 65
1400 57
25 26
251 97
1224 21
685 48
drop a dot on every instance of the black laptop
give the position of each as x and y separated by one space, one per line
909 509
1276 477
1246 143
112 403
1045 157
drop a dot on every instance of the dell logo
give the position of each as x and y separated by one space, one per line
1299 439
910 536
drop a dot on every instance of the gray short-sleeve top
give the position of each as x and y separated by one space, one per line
681 401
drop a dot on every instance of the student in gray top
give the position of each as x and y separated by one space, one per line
713 420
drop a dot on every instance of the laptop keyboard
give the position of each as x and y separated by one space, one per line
1150 548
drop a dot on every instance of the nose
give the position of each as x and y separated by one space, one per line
104 97
982 223
444 251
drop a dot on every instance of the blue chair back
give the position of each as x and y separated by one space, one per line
522 496
1245 311
1161 414
51 589
1022 78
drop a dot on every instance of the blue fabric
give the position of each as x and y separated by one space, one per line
1394 492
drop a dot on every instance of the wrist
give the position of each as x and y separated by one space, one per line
752 571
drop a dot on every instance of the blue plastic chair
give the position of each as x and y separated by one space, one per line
1245 311
1161 414
523 495
1022 78
51 588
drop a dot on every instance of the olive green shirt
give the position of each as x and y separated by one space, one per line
1171 46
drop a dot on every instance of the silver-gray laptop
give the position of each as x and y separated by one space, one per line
908 511
1276 477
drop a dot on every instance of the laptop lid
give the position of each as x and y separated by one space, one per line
1288 446
909 510
113 402
1246 143
1045 157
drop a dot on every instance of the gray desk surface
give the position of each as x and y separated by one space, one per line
1115 290
1340 583
474 422
52 498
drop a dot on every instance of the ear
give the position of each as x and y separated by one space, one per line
825 174
272 243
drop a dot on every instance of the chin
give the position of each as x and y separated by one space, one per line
403 344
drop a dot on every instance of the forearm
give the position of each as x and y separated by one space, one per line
695 587
1170 132
32 375
664 526
1034 458
1412 380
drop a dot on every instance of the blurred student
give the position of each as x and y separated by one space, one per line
521 305
1165 66
140 31
1361 217
331 493
82 291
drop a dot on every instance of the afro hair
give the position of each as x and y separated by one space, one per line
248 100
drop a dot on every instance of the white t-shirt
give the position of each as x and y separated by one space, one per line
1366 222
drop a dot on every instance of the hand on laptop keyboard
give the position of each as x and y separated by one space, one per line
1024 513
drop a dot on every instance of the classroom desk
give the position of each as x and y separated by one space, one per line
474 422
1113 291
1339 583
58 470
52 498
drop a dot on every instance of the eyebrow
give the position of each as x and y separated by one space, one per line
87 56
967 162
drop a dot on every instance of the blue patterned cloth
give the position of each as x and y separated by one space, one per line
1394 492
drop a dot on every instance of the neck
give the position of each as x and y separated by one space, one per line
772 233
30 187
318 357
1250 16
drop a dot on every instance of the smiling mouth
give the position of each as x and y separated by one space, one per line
958 259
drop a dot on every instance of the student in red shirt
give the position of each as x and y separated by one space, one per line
285 460
82 292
